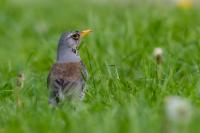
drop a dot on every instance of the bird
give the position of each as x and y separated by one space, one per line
67 76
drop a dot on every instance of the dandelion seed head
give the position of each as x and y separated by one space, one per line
158 55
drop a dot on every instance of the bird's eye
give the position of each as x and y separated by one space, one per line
75 36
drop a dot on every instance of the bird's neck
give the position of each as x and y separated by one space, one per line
67 55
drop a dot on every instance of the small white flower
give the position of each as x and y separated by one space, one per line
178 109
158 52
158 55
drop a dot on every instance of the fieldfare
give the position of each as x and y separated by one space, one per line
66 79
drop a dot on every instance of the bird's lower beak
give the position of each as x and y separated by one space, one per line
85 32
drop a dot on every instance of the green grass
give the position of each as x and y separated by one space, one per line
124 93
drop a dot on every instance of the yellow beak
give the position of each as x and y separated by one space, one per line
85 32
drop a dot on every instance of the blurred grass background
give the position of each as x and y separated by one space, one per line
124 93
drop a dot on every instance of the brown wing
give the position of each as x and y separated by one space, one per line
66 72
63 76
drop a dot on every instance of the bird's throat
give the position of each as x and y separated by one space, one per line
69 55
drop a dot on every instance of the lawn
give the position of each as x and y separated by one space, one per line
124 91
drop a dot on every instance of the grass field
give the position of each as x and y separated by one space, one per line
124 92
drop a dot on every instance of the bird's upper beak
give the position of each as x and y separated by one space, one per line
85 32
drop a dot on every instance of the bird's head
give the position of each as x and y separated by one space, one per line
72 39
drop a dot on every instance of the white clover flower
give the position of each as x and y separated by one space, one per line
178 109
158 55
